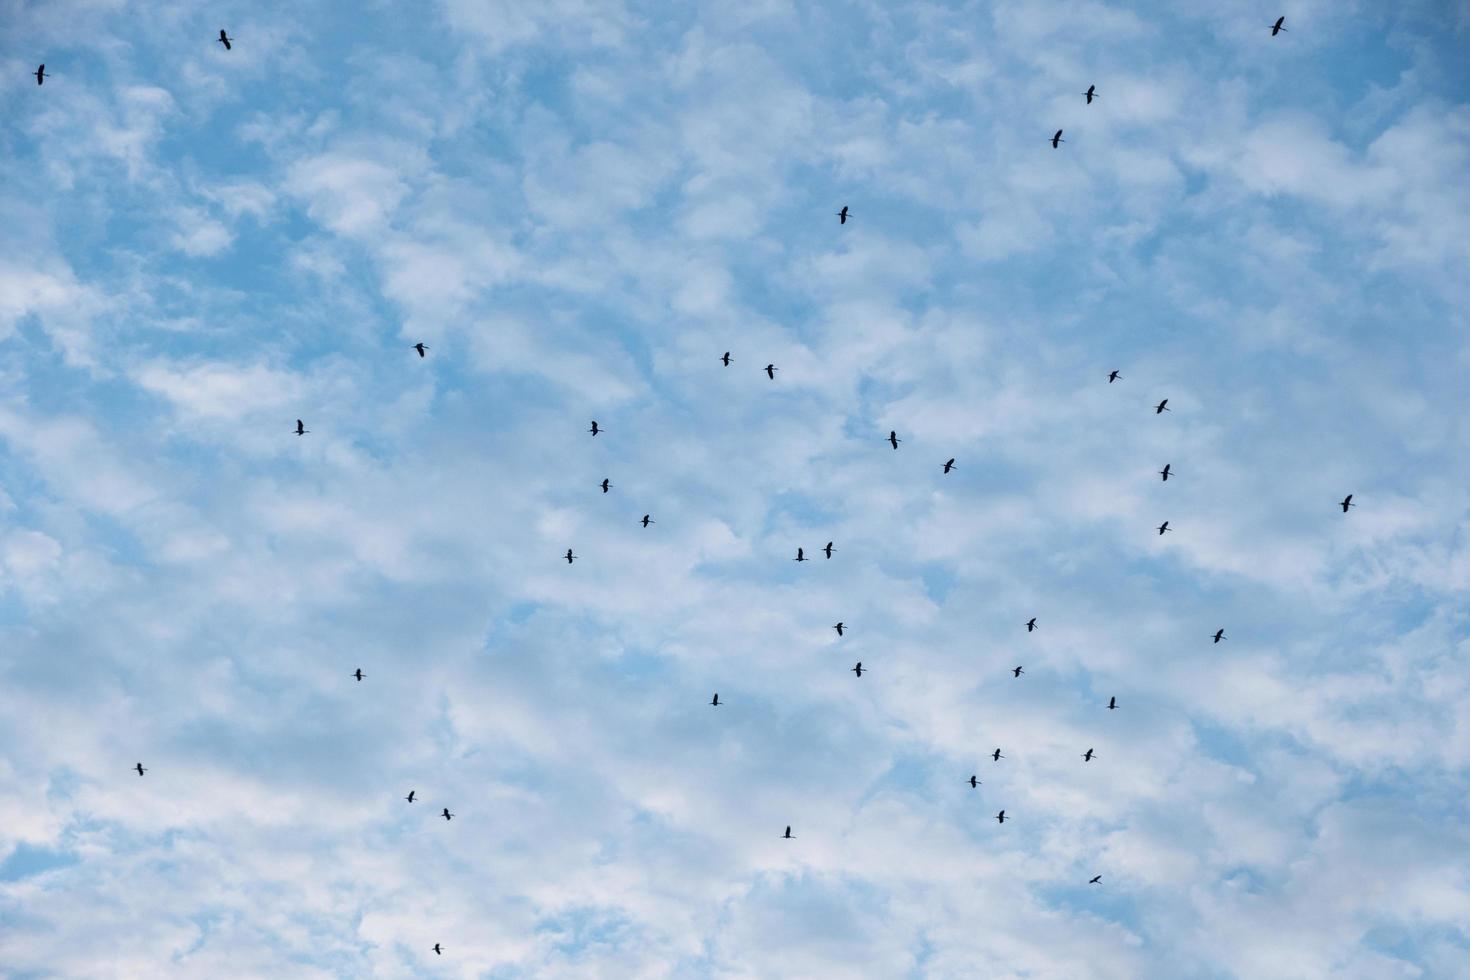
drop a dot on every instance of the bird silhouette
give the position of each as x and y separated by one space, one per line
771 370
421 348
41 74
594 430
996 756
838 628
858 669
949 465
828 549
606 486
715 701
1057 140
1087 756
1001 816
647 520
438 950
1219 635
787 835
726 359
1162 406
1113 376
570 557
359 675
301 428
446 814
411 794
1017 671
140 769
842 215
974 782
893 438
224 38
1091 93
1276 28
800 555
1112 703
1346 503
1164 527
1031 625
1094 880
1168 467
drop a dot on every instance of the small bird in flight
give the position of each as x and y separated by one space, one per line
1276 28
446 814
1112 703
1087 756
787 835
1164 527
140 768
301 428
838 628
647 520
828 549
1219 635
1031 624
974 782
949 465
41 74
438 950
411 794
858 669
1091 93
996 756
1017 671
1346 503
1162 406
359 675
1165 471
1094 880
726 359
842 215
1057 140
1001 816
893 437
715 701
1113 376
594 430
771 370
224 38
606 486
800 555
420 348
570 557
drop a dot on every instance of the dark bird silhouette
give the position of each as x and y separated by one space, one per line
715 701
570 557
420 348
838 628
726 359
224 38
439 951
1094 880
140 768
1112 703
594 430
1164 527
411 794
359 675
828 549
1346 503
606 486
1031 624
647 520
858 669
1276 28
41 74
301 428
800 555
1017 671
996 756
1091 93
1001 816
1162 406
446 814
1057 140
771 370
974 782
1165 471
893 438
1087 756
949 465
842 215
787 835
1219 635
1113 376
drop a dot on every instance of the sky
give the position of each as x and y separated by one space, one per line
579 206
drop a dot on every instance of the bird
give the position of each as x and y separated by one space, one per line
1276 28
1031 624
41 74
570 557
140 768
1112 703
1087 756
949 465
838 628
1113 376
726 359
1219 635
1346 503
715 701
1165 471
974 782
1162 406
842 215
438 950
1057 140
828 549
996 756
359 675
224 38
858 669
787 835
800 555
647 520
1094 880
893 438
446 814
606 486
1001 816
1163 527
1091 93
594 430
771 370
301 428
411 794
420 348
1017 671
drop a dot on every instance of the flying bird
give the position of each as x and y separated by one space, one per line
41 74
1094 880
1113 376
949 465
726 359
1162 406
411 794
893 438
140 768
1017 671
224 38
647 520
570 557
838 628
800 555
1057 140
1001 816
1276 28
858 669
1165 471
842 215
594 430
359 675
606 486
446 814
1091 93
1087 756
974 782
771 370
420 348
1163 527
1219 635
301 428
438 950
1346 503
828 549
787 835
996 756
715 701
1031 624
1112 703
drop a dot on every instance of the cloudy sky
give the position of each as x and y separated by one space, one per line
578 206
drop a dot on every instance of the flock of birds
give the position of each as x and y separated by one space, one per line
770 371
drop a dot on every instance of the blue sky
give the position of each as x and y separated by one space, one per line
579 206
